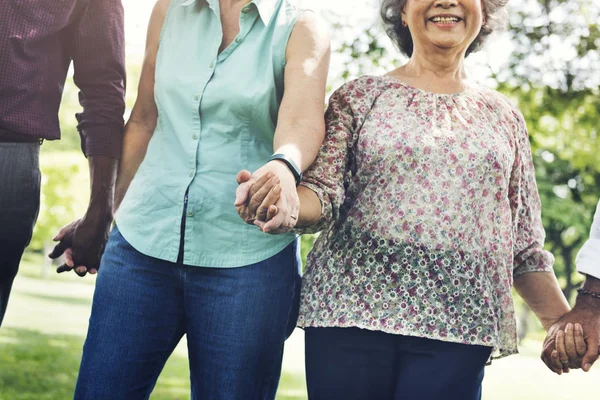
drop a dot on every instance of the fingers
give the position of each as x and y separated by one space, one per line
69 257
244 178
591 354
273 210
555 362
270 200
580 346
274 225
563 356
267 194
547 355
263 180
59 249
63 268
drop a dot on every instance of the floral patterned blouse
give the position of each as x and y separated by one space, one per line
429 209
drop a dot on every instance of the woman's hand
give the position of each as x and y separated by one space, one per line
263 194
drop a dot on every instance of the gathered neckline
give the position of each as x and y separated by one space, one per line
466 90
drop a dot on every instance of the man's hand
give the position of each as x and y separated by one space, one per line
82 243
573 341
268 198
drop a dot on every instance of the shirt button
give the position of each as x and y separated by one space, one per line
195 137
238 40
190 214
246 10
191 174
212 65
196 97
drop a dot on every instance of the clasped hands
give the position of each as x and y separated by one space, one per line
573 341
268 198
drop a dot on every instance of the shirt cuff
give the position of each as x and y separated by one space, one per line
325 215
539 260
588 258
102 141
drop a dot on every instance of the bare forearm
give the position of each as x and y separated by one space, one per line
543 295
300 140
310 208
103 172
135 144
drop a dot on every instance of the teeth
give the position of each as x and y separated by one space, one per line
445 20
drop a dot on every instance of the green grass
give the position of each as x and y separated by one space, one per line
44 329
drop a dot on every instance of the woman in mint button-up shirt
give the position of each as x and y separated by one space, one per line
225 84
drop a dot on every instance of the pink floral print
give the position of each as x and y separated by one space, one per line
429 209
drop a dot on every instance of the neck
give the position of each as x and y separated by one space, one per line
438 66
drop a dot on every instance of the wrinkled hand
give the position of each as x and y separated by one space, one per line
268 198
82 242
573 341
262 195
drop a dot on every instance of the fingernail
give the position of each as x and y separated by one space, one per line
587 367
569 326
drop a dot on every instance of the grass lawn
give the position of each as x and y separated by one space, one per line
44 329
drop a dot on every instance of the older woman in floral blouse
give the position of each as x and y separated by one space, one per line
425 193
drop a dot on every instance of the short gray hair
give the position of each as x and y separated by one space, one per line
391 13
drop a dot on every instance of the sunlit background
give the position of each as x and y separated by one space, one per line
546 61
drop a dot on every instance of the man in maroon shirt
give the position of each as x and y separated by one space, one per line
38 41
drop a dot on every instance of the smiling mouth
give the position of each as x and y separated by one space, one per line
445 20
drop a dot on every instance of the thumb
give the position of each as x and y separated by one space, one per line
243 176
591 355
241 193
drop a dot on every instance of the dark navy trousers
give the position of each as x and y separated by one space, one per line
358 364
19 205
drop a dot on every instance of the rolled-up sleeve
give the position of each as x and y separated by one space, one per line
588 258
98 53
327 174
528 230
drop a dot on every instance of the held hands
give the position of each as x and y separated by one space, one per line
82 242
573 341
268 198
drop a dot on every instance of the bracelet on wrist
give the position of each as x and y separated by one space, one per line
294 169
584 292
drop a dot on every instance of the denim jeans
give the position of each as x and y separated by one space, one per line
19 205
235 319
358 364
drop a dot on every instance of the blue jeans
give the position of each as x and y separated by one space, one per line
358 364
235 319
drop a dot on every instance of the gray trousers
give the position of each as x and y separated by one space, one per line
19 206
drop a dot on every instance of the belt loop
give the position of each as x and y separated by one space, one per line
41 141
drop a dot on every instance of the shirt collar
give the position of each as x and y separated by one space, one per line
266 8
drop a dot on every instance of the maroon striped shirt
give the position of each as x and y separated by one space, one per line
38 41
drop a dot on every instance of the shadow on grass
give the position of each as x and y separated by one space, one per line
37 366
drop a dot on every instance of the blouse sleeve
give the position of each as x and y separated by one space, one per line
326 176
528 230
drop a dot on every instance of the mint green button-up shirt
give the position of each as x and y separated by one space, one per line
216 116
